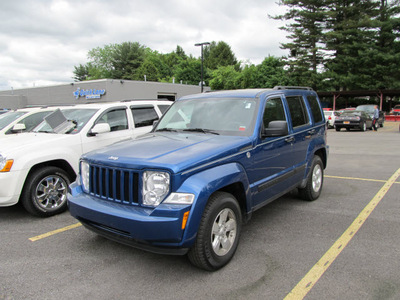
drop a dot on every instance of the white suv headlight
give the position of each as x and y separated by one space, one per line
155 187
5 164
3 161
85 168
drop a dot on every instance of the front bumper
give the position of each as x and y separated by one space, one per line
10 187
156 230
352 124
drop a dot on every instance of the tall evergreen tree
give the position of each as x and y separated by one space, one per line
305 32
350 37
388 45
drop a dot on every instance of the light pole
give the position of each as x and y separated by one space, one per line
202 44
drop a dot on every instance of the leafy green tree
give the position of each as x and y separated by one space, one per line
224 78
126 59
248 77
170 62
188 71
272 72
269 73
219 55
81 72
100 61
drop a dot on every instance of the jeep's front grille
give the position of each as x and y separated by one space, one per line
117 185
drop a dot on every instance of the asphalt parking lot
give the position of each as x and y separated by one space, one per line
345 245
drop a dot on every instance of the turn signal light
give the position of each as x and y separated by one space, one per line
7 166
185 218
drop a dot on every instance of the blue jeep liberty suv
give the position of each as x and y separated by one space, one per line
210 161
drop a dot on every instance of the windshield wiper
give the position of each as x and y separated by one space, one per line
166 129
201 130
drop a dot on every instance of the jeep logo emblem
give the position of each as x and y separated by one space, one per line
113 158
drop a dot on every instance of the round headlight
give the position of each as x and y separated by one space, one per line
155 187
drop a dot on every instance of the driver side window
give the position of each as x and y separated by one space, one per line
274 111
116 118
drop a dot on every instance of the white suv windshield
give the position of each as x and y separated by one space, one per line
224 116
79 116
9 117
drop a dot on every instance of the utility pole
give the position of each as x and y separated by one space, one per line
202 58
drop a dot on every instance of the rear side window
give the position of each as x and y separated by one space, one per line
144 116
297 110
315 108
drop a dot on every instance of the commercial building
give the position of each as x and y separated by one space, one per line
103 90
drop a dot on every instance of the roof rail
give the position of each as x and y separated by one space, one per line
282 87
159 99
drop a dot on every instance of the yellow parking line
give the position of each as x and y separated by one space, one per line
42 236
311 278
355 178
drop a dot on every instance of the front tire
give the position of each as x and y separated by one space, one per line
218 234
45 192
315 180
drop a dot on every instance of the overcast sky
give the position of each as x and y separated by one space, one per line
42 40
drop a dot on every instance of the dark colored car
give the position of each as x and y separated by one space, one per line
355 119
369 109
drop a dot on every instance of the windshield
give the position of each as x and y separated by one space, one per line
79 116
224 116
9 117
351 113
366 108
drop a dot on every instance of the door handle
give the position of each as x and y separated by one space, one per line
289 140
311 132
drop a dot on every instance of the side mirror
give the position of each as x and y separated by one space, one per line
100 128
276 128
18 127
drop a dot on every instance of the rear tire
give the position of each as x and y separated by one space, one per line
45 192
315 180
218 234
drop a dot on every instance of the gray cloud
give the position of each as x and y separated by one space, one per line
42 41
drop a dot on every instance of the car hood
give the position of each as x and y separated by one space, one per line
176 152
29 140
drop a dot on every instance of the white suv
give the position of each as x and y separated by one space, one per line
37 167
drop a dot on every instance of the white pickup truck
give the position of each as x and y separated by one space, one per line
37 167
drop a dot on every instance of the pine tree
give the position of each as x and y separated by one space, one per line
351 36
306 33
